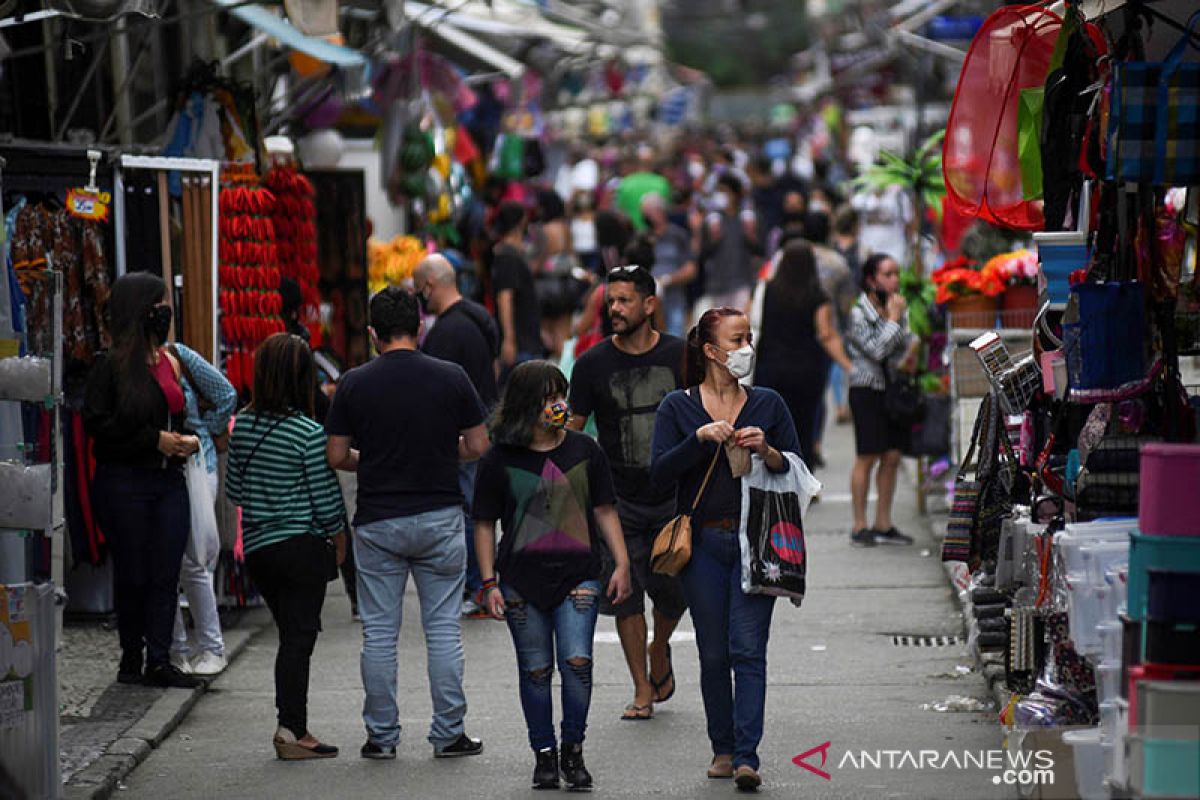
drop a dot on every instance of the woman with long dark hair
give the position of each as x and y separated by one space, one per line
134 410
696 432
877 340
799 338
291 509
552 490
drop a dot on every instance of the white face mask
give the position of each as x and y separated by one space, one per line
740 362
720 201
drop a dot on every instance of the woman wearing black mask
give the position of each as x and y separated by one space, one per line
134 411
877 335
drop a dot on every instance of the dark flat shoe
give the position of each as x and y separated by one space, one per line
288 749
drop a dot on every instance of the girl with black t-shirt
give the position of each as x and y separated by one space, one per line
552 491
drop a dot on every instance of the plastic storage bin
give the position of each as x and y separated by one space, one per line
1090 763
1168 500
1108 681
1164 767
1085 609
1069 542
1175 553
1169 709
1155 672
1168 643
1174 596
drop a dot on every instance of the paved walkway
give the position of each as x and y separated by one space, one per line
836 675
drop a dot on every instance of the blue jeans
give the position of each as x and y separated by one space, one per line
731 635
430 545
537 636
466 482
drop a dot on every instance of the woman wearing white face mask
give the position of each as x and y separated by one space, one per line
700 430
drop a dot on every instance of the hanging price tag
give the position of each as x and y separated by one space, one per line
88 205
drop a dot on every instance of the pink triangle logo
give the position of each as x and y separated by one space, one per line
801 760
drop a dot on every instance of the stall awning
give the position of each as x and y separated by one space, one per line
477 49
279 28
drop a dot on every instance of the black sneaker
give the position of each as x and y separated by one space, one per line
377 752
462 746
863 538
577 778
892 536
545 771
130 669
168 676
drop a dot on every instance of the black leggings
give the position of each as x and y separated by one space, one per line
291 578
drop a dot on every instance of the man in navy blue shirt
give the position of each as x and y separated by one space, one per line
464 334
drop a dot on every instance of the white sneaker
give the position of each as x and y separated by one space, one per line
209 664
181 663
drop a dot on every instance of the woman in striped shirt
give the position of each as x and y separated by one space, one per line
292 522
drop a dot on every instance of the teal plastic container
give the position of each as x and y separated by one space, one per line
1174 553
1164 767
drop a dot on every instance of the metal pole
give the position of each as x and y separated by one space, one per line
122 109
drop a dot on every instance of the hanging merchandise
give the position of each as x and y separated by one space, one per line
416 157
249 272
1152 127
981 155
295 220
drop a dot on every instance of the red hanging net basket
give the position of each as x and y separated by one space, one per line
1011 52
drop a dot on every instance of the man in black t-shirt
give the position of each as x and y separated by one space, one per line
622 380
414 419
464 334
516 296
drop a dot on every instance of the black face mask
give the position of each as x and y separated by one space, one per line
423 303
158 323
882 296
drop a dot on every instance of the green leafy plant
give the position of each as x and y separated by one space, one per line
920 175
919 292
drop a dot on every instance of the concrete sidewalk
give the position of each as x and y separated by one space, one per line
853 668
106 728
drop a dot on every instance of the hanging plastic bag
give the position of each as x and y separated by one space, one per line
204 542
771 534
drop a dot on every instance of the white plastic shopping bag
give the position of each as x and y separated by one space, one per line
774 554
204 542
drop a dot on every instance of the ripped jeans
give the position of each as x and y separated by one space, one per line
538 636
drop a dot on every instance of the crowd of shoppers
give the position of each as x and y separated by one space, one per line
471 421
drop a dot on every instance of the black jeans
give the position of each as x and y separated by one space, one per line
145 515
290 575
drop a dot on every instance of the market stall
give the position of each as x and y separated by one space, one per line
1073 535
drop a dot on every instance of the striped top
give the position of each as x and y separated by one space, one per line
870 341
278 474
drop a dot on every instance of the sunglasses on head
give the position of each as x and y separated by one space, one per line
626 270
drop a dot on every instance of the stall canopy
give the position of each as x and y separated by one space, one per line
279 28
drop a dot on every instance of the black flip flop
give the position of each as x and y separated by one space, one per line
670 676
637 713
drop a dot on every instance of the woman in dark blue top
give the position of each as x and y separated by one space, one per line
716 412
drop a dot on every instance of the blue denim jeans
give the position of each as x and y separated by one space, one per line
466 482
731 634
538 636
431 547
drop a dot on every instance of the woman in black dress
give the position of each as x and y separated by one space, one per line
798 340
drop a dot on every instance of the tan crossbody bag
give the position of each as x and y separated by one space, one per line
673 545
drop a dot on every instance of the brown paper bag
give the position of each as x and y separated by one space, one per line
739 459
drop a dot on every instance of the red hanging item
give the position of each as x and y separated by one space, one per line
980 161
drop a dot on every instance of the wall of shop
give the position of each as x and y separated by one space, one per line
388 220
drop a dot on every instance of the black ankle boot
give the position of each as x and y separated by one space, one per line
573 771
545 773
